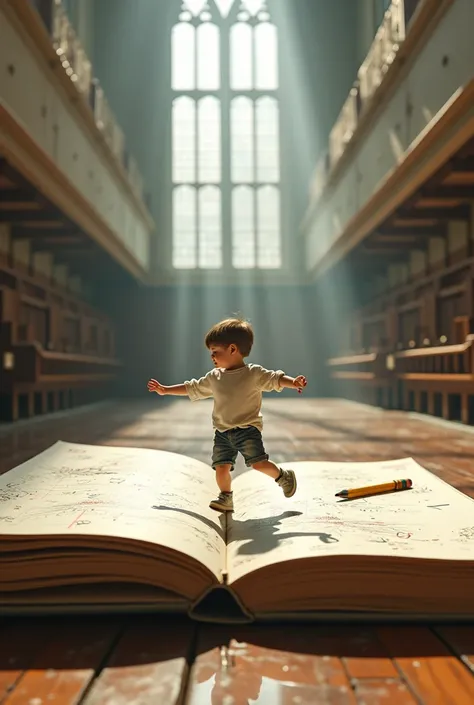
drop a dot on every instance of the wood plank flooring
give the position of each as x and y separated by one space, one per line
136 661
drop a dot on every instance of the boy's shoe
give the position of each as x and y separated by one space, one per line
224 502
287 482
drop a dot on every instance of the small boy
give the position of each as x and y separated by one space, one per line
237 420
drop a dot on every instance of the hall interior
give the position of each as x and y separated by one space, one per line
165 164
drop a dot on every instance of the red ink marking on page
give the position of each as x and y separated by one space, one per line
76 519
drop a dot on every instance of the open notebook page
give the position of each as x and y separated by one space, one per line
432 520
141 494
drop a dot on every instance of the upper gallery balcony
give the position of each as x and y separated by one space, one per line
410 110
57 129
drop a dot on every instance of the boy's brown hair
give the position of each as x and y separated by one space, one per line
232 331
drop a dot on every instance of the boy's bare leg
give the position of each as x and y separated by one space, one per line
268 468
223 477
285 478
224 502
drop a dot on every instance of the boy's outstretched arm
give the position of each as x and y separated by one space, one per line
175 389
276 380
294 382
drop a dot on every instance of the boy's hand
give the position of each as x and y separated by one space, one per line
154 386
299 383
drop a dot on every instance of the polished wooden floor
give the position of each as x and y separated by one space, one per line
105 661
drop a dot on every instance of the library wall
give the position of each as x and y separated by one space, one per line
411 345
57 351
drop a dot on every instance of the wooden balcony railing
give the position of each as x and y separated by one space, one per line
367 377
388 41
345 125
438 376
318 178
432 363
385 46
55 350
363 366
37 366
427 380
43 379
78 67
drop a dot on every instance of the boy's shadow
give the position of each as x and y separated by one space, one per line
261 535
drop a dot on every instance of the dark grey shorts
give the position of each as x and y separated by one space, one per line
247 441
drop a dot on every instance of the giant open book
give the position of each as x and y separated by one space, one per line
100 528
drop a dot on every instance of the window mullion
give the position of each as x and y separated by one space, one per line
197 238
225 94
255 181
255 150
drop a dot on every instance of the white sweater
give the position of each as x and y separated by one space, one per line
237 394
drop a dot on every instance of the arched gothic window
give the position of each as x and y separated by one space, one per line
226 136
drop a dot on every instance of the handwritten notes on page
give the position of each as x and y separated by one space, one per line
432 520
133 493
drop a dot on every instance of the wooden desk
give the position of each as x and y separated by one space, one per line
105 661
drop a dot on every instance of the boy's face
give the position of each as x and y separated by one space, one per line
225 356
